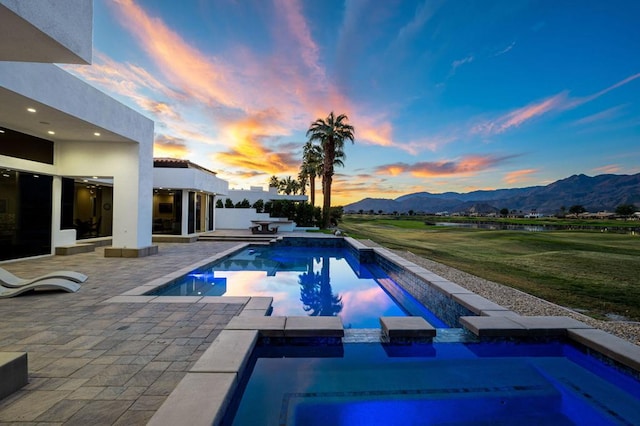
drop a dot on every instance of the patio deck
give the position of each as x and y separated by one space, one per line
92 362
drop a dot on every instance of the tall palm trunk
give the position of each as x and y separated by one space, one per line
312 189
329 158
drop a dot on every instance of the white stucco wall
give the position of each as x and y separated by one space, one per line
237 218
53 31
254 194
241 219
188 178
129 163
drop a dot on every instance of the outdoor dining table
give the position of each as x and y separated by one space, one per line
264 225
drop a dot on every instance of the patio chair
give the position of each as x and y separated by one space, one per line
44 284
8 280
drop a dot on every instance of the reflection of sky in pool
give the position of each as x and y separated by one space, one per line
302 281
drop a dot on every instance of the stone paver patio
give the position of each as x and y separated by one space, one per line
92 362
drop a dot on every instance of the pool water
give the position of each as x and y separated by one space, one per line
305 281
446 383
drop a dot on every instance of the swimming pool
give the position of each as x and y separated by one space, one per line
504 383
313 281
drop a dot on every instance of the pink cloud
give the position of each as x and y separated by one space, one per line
519 175
468 165
579 101
517 117
608 169
202 78
299 90
559 102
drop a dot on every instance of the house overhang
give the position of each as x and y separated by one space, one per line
46 31
65 105
14 115
190 179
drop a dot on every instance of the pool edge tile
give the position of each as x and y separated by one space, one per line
228 353
199 399
620 350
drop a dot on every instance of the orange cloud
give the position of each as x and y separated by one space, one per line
519 176
167 146
249 150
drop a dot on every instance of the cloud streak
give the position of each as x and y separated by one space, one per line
519 176
556 103
463 167
607 114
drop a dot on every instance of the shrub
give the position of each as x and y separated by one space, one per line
259 206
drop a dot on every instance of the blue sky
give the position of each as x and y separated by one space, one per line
444 95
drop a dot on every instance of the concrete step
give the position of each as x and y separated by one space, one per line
244 238
75 249
13 372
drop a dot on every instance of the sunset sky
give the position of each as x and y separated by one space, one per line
444 95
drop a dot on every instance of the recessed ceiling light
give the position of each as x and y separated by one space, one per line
96 133
51 132
1 131
31 109
95 177
84 180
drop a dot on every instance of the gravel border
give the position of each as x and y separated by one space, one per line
520 302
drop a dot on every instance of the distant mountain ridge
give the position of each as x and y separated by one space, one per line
597 193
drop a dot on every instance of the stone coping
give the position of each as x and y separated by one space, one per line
200 399
519 326
406 327
293 326
203 395
620 350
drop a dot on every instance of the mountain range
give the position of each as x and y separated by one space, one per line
594 193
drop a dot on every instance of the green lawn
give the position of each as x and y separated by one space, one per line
596 272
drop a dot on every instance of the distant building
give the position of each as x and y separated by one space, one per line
255 193
184 197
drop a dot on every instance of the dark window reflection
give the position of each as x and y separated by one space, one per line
25 214
167 211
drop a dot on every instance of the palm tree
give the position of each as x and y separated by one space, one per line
311 167
303 178
289 186
331 133
274 182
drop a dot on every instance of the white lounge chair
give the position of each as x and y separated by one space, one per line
8 280
44 284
